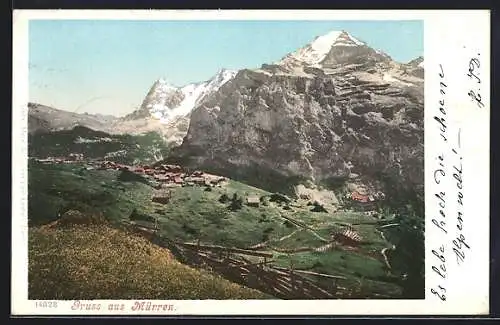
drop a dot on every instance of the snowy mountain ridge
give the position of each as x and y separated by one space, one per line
166 102
316 51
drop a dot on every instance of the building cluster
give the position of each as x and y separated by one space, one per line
170 175
174 175
365 201
364 198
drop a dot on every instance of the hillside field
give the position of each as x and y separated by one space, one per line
196 214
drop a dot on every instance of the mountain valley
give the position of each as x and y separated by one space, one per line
321 153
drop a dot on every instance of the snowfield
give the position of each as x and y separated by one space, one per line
316 51
192 95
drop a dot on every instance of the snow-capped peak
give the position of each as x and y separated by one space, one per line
223 76
219 79
164 84
316 51
324 43
165 102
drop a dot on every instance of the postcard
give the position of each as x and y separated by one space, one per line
250 162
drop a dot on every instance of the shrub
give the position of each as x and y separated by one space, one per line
128 176
318 208
224 198
279 198
136 215
236 203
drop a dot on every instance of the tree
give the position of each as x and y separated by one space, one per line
408 259
236 203
224 198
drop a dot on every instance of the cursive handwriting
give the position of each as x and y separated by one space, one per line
440 270
474 75
440 117
459 243
438 264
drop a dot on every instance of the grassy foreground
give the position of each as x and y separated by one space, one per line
98 261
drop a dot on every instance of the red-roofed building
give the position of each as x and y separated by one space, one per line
359 197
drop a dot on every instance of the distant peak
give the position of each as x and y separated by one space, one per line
224 71
334 38
223 75
161 81
419 61
317 50
164 84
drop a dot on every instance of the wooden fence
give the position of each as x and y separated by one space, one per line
253 269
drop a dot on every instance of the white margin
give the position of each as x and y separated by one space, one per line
446 31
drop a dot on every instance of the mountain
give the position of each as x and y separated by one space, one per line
336 47
334 112
124 148
417 63
166 108
43 119
166 102
416 67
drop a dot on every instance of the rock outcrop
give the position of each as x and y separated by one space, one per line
166 108
323 113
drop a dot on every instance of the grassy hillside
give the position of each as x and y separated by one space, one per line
195 213
147 148
54 189
97 261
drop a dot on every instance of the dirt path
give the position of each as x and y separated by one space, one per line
306 227
384 250
265 243
289 235
382 235
386 260
318 236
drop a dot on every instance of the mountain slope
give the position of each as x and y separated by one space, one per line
43 118
320 115
122 265
92 144
166 108
336 47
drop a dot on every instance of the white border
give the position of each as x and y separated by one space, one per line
446 32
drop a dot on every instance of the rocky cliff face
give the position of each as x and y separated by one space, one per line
166 109
332 111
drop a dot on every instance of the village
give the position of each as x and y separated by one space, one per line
164 176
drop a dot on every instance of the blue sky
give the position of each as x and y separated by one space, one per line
107 66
